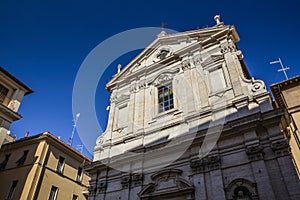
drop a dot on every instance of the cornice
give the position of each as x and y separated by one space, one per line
9 113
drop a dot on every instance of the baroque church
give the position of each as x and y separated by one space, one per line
188 122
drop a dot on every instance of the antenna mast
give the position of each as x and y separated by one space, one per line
283 69
74 128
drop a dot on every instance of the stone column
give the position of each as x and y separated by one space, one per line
136 185
149 105
281 150
201 88
228 49
213 165
187 93
217 183
112 109
199 183
125 182
255 156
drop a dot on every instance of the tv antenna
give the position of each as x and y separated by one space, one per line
283 69
74 128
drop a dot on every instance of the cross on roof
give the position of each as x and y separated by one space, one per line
163 24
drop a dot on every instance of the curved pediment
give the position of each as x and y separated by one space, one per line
162 78
168 184
212 59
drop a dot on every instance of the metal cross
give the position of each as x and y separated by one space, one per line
163 24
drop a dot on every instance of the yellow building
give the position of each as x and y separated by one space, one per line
287 95
12 92
42 167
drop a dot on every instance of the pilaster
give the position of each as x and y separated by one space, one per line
228 49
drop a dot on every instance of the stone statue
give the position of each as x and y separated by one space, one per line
242 196
119 68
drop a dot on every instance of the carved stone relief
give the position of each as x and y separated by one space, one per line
92 190
162 78
134 87
255 153
197 60
121 99
281 148
206 164
125 181
131 180
113 97
257 86
185 65
137 180
227 47
212 59
102 185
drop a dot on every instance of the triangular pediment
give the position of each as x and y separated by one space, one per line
168 47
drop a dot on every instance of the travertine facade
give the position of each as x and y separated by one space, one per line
287 95
42 167
187 121
12 92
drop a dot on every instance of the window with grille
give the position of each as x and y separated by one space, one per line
3 93
53 193
12 189
165 98
60 164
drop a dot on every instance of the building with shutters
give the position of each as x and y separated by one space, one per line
42 167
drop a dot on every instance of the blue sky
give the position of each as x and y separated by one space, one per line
43 43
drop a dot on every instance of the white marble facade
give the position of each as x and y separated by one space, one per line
187 121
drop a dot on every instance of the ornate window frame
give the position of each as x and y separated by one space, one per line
164 78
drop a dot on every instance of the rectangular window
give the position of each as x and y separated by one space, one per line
60 164
53 193
79 174
3 93
75 197
12 189
4 162
21 161
165 98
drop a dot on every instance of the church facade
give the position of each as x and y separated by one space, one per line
187 121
